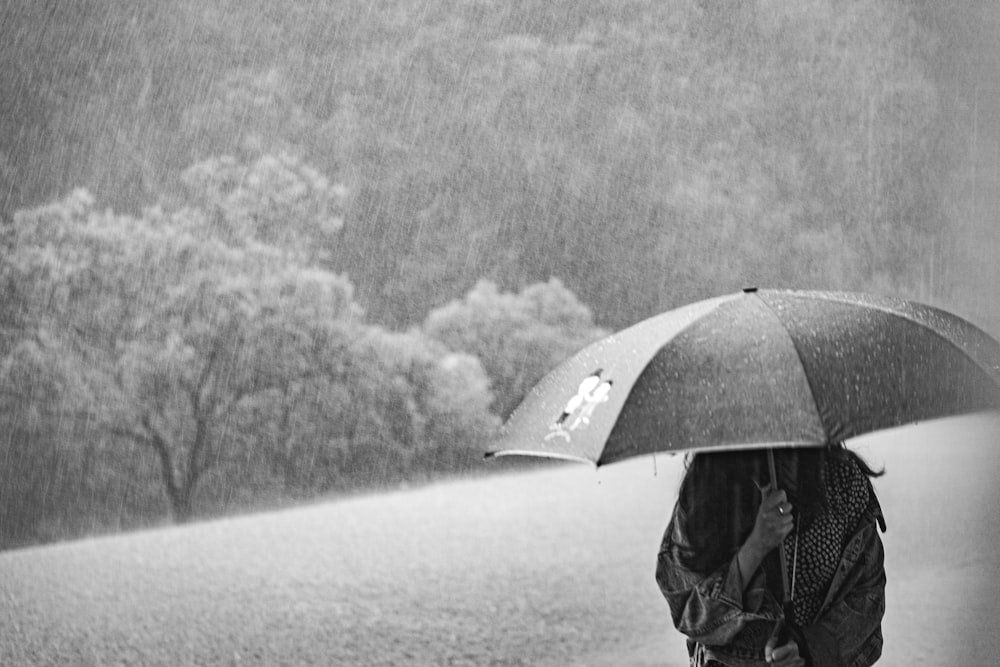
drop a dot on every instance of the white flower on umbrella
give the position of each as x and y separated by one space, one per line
591 392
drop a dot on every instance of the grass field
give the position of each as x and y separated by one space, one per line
552 567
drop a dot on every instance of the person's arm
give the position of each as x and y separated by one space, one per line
774 522
713 609
707 608
749 559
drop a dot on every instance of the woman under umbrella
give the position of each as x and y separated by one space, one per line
719 570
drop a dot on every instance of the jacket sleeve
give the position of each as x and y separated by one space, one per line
849 632
710 609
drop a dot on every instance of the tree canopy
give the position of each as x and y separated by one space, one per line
646 154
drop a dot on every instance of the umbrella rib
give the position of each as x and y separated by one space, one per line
798 354
993 372
540 454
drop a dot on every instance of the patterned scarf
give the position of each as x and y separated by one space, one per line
813 552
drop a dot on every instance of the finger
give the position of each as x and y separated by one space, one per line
779 520
785 651
776 521
793 662
784 508
765 489
773 498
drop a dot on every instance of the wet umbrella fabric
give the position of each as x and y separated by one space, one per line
757 368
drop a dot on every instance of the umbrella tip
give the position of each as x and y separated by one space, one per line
749 290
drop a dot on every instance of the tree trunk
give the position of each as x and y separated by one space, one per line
181 506
179 491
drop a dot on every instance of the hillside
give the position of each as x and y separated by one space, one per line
633 150
546 568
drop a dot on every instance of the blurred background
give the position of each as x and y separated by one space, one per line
256 253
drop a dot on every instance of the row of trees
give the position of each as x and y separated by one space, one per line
648 153
328 257
204 356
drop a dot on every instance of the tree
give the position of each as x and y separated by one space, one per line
517 337
209 335
175 318
647 154
277 200
433 404
400 407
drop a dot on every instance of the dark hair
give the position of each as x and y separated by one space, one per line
719 496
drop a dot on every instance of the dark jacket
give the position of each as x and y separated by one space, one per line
729 623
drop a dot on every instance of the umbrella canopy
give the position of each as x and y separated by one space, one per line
759 368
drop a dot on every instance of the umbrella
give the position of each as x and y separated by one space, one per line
758 368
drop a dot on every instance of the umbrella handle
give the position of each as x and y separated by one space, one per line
782 559
780 633
785 631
